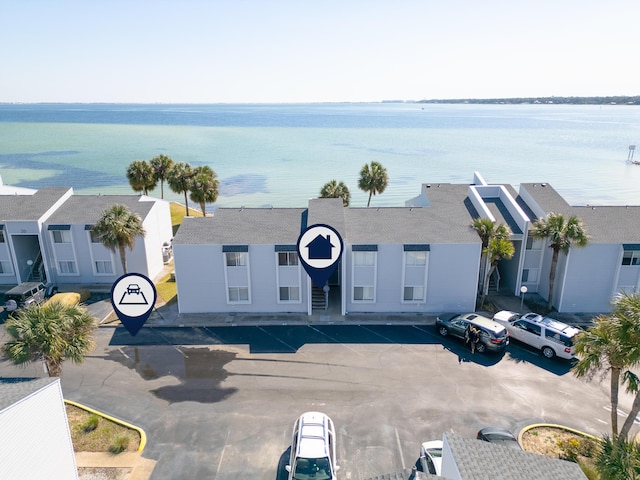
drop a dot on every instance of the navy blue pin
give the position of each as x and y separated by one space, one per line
319 250
133 297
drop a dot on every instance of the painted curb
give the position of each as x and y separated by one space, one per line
559 427
143 435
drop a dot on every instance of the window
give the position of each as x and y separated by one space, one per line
289 294
364 258
67 267
529 275
1 236
238 294
103 267
528 327
413 294
236 259
5 267
95 238
363 294
287 259
631 257
61 236
534 243
415 258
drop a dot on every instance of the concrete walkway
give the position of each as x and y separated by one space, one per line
107 466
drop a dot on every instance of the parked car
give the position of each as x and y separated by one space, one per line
499 436
313 448
552 337
25 294
493 336
430 460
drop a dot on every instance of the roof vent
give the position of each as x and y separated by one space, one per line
543 184
428 185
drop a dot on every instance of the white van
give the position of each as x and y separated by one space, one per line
552 337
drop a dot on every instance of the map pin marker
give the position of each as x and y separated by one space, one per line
133 297
319 250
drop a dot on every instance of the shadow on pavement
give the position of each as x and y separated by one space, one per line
521 353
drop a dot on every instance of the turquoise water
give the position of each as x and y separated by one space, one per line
281 155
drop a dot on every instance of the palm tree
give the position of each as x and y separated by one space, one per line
618 458
140 175
204 187
161 165
497 249
613 344
180 179
373 179
117 229
486 230
51 332
562 234
333 189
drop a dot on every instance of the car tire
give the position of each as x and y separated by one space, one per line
442 330
548 352
481 347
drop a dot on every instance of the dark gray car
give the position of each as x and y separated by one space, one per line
493 336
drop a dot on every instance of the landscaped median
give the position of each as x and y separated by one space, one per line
94 431
559 441
107 447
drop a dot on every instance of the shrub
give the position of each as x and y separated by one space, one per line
91 424
120 444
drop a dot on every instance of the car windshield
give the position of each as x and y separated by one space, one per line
435 452
312 469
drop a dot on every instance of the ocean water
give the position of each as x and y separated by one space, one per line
281 155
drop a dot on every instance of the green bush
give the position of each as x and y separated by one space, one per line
91 424
119 445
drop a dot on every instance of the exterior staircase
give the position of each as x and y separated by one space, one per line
318 300
37 274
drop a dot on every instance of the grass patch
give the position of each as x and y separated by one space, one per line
166 287
103 437
119 445
178 212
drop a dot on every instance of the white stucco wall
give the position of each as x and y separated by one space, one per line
36 442
589 279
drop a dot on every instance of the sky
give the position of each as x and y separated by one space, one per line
280 51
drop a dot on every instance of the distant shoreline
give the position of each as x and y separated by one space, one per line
608 100
612 100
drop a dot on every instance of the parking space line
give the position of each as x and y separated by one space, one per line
226 441
293 349
400 450
336 341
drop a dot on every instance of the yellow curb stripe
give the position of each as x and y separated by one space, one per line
143 436
559 427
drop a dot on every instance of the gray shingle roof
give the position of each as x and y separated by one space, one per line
87 209
29 207
13 390
242 226
478 460
604 224
447 220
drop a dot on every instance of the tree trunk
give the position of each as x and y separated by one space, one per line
628 423
202 206
186 202
123 257
54 369
162 189
615 387
485 287
552 275
369 202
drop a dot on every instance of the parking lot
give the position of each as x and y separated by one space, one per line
220 402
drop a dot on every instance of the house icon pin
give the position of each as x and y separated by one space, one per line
320 248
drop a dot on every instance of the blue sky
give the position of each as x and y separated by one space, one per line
315 51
